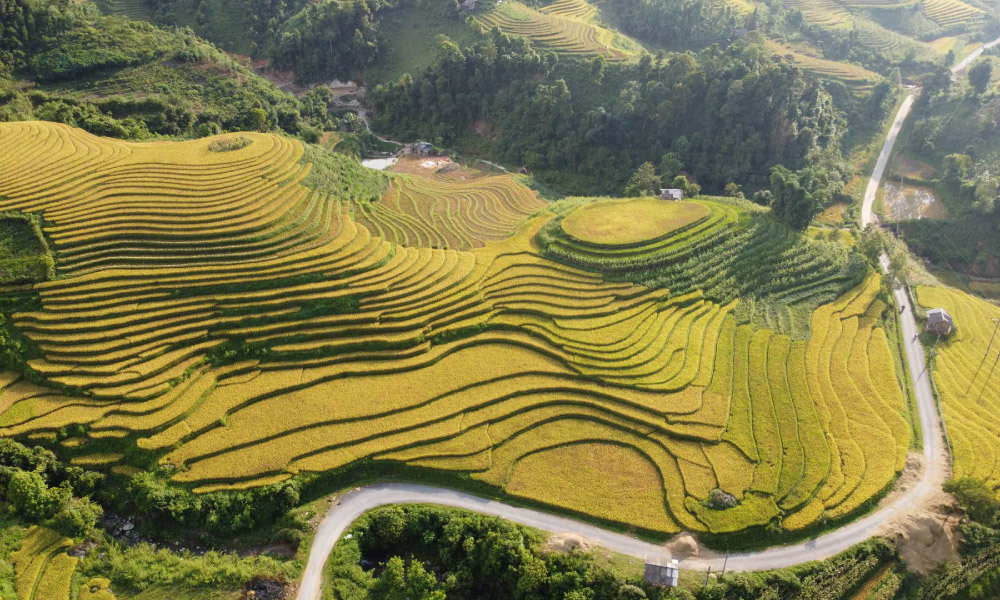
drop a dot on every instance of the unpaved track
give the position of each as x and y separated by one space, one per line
934 468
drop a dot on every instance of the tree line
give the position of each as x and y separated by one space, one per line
724 114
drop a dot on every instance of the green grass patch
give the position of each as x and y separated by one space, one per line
24 254
414 31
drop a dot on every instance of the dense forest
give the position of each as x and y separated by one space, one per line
955 125
54 54
726 115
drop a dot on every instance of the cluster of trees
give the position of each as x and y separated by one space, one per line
955 125
204 91
646 181
726 115
316 40
796 197
240 25
670 23
431 553
142 567
458 555
39 488
978 577
218 512
974 187
328 39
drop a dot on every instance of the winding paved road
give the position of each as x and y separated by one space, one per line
958 68
934 470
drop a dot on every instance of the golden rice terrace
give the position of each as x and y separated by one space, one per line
211 310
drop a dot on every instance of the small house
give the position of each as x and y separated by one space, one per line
470 4
421 148
939 322
661 575
671 194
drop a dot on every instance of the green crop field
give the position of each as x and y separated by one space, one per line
24 254
966 376
215 313
856 77
565 26
42 569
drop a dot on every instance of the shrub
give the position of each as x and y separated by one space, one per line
30 497
976 499
77 517
228 144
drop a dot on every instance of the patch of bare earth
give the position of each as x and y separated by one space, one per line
927 535
567 542
684 545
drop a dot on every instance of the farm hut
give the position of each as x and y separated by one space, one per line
470 4
939 321
671 194
420 148
661 575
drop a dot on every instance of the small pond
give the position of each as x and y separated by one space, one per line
904 202
379 164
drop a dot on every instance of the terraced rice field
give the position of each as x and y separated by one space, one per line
873 36
728 255
131 9
441 213
631 222
42 569
565 26
854 76
825 13
968 380
950 13
216 313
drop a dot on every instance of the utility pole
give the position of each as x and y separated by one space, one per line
707 573
724 563
985 354
988 375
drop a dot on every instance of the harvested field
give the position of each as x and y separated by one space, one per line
245 338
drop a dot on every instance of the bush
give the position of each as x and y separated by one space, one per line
229 144
32 498
217 512
77 517
976 499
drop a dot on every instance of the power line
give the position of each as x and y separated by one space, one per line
985 354
988 375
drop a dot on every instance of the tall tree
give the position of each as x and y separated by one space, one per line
980 74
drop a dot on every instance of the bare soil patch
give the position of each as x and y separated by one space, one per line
928 533
567 542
